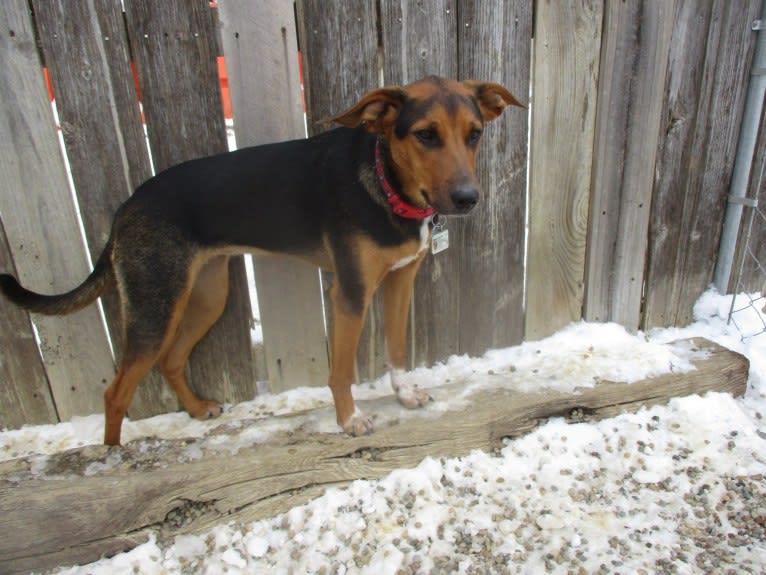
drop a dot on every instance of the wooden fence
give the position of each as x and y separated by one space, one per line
606 203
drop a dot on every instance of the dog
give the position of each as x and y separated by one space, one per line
359 200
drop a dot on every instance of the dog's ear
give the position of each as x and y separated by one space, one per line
492 98
375 111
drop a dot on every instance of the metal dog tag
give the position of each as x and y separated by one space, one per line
439 240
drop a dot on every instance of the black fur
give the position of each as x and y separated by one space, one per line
287 197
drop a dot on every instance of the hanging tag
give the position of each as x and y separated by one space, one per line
439 239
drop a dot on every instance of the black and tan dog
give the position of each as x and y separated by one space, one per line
358 201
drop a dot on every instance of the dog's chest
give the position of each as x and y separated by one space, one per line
425 234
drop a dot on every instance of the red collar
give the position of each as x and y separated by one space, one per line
399 205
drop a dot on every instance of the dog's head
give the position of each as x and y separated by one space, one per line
433 128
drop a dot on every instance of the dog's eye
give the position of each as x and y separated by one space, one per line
473 136
427 136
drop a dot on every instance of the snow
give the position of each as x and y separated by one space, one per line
673 489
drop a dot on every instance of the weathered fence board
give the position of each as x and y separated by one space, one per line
261 55
418 43
41 223
566 63
710 55
116 510
326 60
494 45
105 144
23 384
634 60
175 48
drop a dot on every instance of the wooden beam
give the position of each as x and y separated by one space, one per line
114 510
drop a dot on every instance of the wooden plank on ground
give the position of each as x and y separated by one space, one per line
175 47
41 222
261 52
494 44
86 52
25 397
566 64
634 60
710 55
419 43
117 509
339 45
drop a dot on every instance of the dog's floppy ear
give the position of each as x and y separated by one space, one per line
376 110
492 98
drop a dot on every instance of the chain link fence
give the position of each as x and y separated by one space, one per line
748 305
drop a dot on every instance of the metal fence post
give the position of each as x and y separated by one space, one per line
744 159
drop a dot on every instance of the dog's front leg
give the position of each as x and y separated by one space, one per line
347 323
397 293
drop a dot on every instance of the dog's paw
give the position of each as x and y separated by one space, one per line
207 410
358 424
408 393
412 397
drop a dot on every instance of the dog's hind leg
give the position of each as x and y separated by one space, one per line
153 299
145 336
119 394
205 305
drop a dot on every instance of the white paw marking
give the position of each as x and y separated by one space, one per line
358 424
407 393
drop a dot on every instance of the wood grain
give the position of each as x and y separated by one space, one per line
261 54
41 223
115 510
634 61
175 47
566 64
710 55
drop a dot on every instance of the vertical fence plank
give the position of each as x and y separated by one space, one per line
567 48
261 55
710 55
417 43
495 46
175 48
86 52
24 393
339 44
41 223
631 83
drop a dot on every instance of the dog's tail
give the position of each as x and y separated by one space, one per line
100 279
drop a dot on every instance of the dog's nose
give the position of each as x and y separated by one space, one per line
464 199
